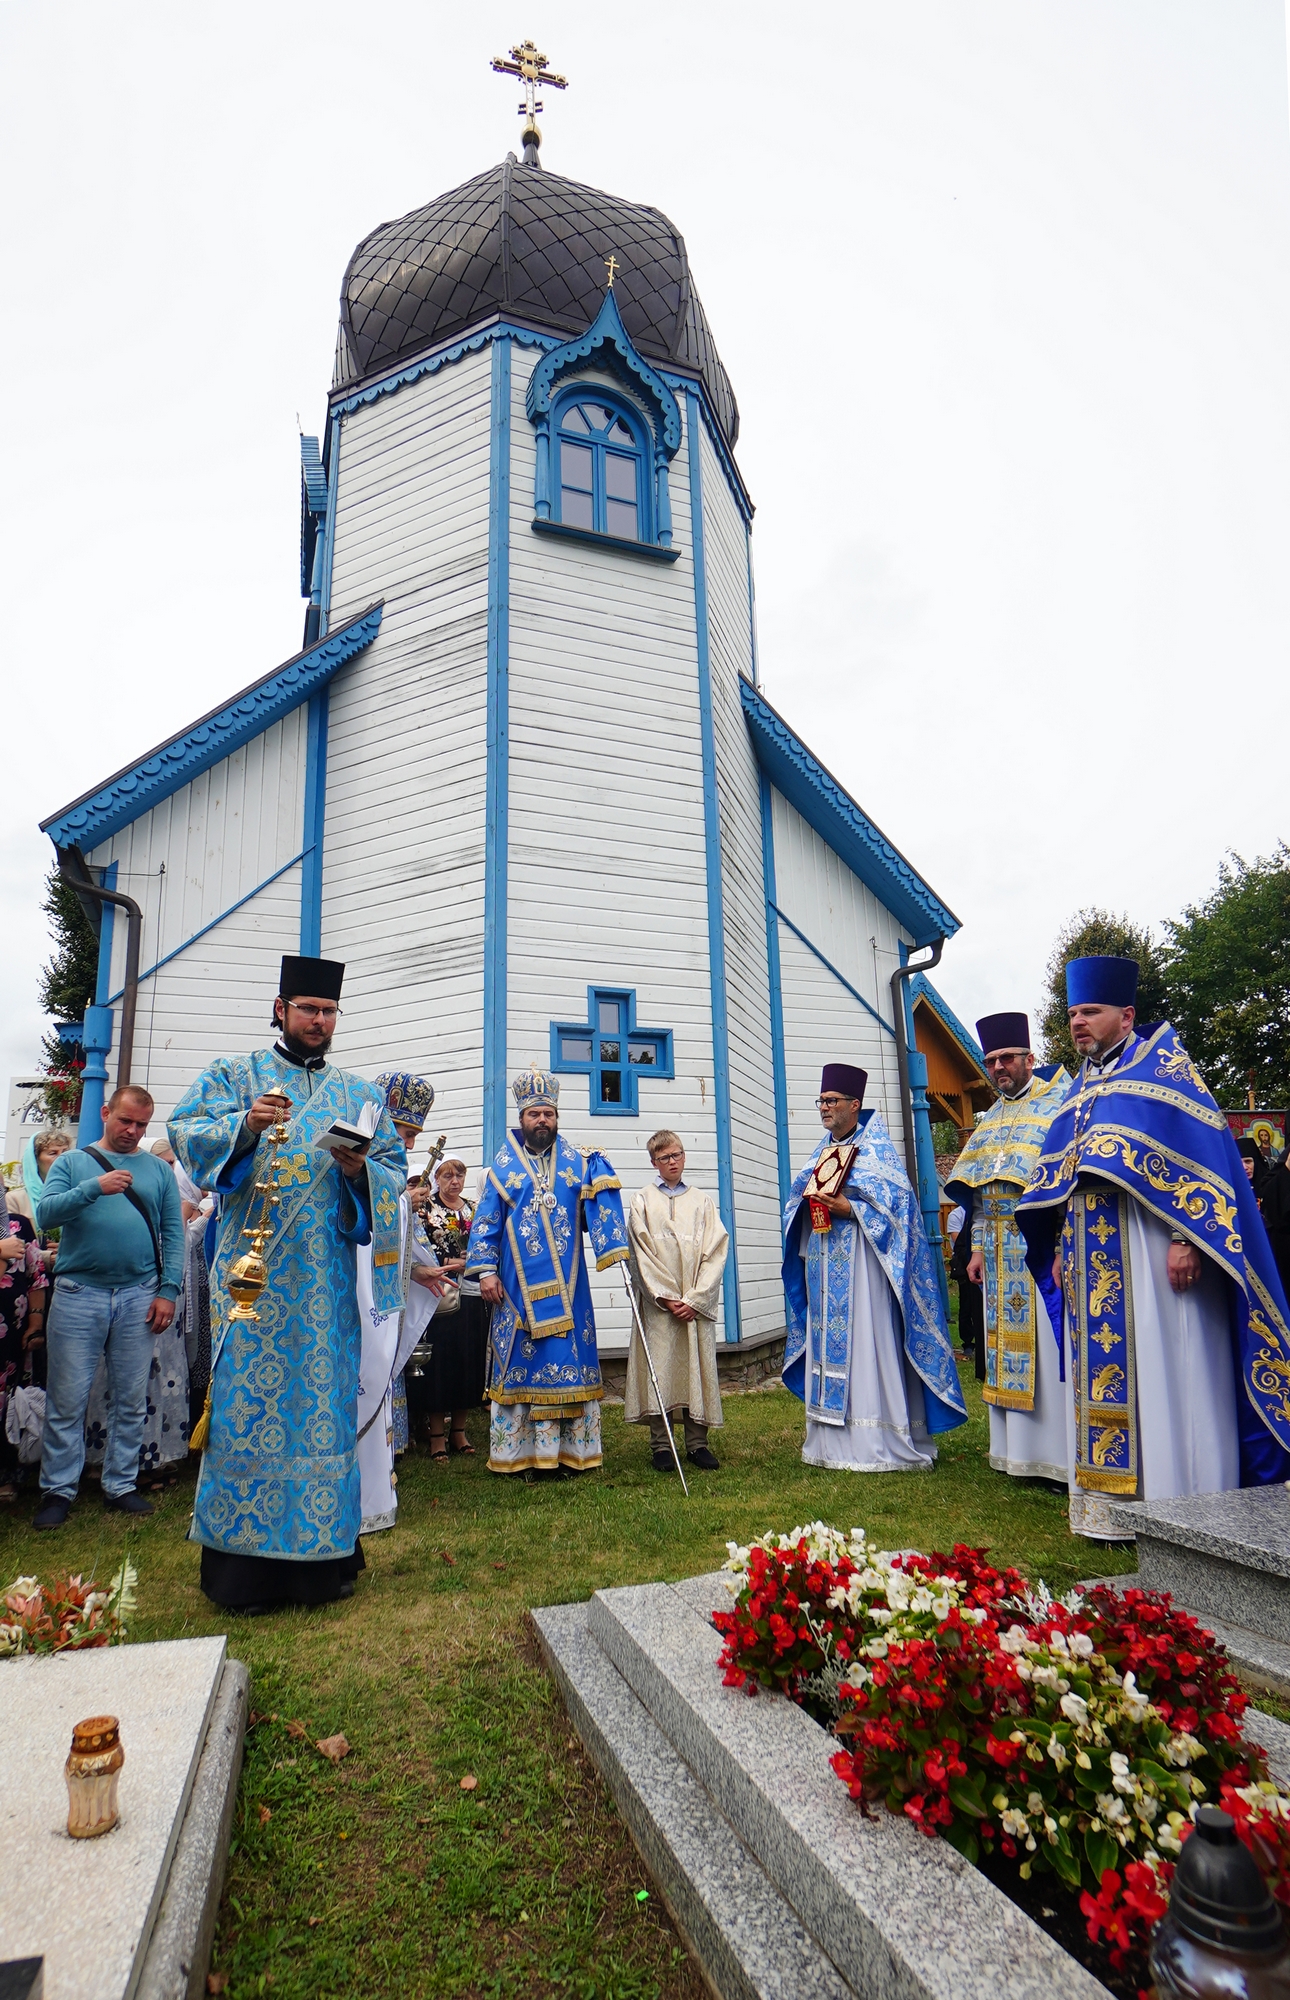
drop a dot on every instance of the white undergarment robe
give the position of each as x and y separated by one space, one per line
1187 1436
388 1339
1031 1444
885 1428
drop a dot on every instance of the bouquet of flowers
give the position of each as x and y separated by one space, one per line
1072 1734
67 1613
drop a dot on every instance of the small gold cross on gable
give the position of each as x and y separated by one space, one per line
613 267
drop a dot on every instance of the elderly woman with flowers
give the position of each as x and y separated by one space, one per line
440 1399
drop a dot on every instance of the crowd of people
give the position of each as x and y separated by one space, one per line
1133 1328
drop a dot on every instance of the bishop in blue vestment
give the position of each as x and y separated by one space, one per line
526 1249
278 1496
868 1351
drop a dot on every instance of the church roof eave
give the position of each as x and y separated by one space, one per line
922 989
826 806
138 787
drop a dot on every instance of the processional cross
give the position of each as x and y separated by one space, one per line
531 67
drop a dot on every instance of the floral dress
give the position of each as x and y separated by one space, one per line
19 1281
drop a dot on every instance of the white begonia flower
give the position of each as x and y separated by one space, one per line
1045 1677
941 1606
1035 1802
1081 1645
1183 1749
1031 1843
1057 1640
880 1615
1015 1822
1075 1709
1050 1825
1025 1671
1083 1760
1134 1700
876 1649
858 1676
1057 1751
1119 1763
1013 1640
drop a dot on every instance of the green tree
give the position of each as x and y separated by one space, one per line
1099 934
67 982
1227 964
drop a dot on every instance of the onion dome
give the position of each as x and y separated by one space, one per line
534 246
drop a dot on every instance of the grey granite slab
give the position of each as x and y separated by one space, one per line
899 1915
708 1593
1249 1526
179 1950
1237 1592
89 1905
1262 1662
1274 1737
747 1941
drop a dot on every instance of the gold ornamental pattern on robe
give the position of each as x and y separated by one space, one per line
678 1251
996 1164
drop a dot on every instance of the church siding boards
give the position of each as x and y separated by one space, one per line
608 880
753 1152
403 882
219 836
845 922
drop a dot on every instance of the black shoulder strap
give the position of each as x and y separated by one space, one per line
134 1202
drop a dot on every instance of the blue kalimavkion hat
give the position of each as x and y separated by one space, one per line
1000 1034
535 1086
408 1098
1102 982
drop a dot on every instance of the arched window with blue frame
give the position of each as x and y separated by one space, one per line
602 479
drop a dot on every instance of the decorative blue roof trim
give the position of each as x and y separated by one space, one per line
608 343
431 363
313 507
816 794
134 791
922 989
527 336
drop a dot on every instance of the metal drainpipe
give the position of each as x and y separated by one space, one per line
74 869
902 973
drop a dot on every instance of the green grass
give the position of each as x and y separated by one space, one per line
380 1876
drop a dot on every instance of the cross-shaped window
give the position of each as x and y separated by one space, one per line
611 1051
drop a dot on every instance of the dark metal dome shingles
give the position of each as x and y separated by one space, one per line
521 239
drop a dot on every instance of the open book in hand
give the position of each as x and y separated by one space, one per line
342 1137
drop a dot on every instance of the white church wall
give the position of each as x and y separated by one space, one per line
403 875
751 1060
846 922
216 839
607 858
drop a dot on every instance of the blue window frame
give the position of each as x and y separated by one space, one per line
611 1051
601 463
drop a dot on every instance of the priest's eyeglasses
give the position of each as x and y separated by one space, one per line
316 1013
831 1103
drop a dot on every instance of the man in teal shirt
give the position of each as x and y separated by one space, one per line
120 1260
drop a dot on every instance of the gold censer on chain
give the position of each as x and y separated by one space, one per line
249 1274
93 1771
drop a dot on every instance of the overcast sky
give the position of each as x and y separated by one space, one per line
1003 287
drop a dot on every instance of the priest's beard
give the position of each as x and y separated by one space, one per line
540 1142
305 1050
1011 1086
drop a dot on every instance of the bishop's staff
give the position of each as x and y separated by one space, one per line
658 1393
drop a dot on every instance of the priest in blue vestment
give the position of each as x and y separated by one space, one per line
540 1197
1176 1322
868 1350
277 1510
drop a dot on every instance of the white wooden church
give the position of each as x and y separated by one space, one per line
521 778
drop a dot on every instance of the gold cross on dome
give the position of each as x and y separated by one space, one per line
613 267
528 63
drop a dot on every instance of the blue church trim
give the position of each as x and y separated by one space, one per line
313 509
311 875
606 343
310 950
775 981
922 989
618 543
716 913
816 794
497 780
131 792
929 1188
98 1027
841 977
328 552
638 1052
526 336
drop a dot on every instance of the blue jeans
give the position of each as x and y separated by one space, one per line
83 1321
